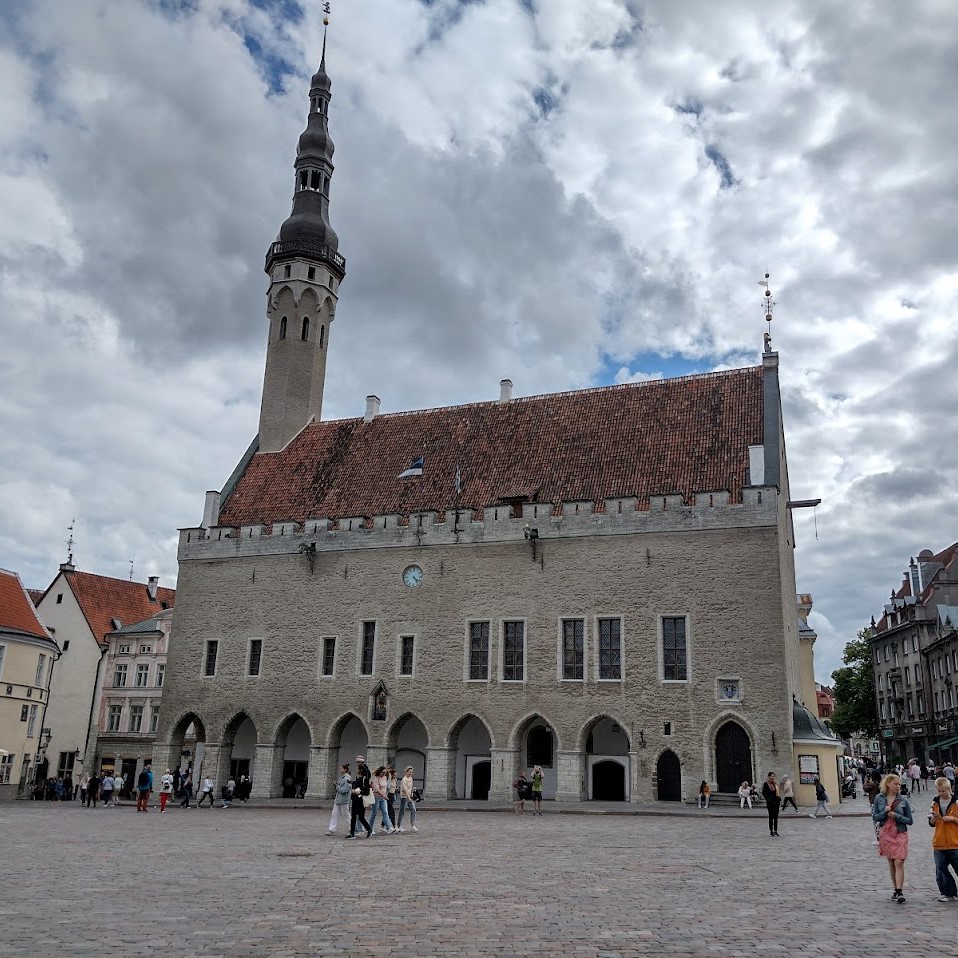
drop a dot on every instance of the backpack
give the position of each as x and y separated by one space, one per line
144 780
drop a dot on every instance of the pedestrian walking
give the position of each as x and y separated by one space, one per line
391 789
106 789
944 842
177 781
705 792
84 781
206 792
537 791
166 789
520 785
893 812
788 793
872 788
379 783
92 791
341 801
226 795
117 787
772 794
186 788
407 799
821 800
144 787
362 798
744 795
914 776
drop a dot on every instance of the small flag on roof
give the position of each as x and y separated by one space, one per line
458 481
414 470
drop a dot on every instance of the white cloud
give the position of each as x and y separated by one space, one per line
538 196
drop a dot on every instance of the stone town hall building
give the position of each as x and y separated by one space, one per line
600 582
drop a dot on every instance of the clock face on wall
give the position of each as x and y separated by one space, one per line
412 576
730 690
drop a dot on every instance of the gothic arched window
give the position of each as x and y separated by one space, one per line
315 180
282 328
322 335
305 334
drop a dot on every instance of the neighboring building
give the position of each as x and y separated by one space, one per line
80 609
131 690
915 661
599 582
861 746
825 699
27 655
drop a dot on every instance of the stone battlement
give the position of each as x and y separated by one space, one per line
495 523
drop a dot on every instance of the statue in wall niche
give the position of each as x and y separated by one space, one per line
379 706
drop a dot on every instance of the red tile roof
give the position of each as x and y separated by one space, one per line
35 595
666 436
103 599
17 612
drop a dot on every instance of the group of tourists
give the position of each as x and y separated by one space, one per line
374 792
529 789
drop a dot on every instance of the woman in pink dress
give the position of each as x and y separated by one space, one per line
892 813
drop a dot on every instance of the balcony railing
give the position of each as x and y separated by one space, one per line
313 250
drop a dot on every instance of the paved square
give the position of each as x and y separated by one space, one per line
268 882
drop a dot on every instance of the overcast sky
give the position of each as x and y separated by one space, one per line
565 193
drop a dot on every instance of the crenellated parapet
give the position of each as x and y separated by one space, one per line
495 523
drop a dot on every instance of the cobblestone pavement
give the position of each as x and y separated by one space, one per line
269 882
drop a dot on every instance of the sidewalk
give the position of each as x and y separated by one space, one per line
850 808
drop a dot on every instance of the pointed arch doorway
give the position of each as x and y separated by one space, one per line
733 757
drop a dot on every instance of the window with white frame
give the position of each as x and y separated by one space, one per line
32 722
675 654
146 649
255 656
142 675
478 651
329 655
41 662
154 717
160 674
212 650
573 649
367 656
407 649
119 676
6 764
123 650
113 718
610 649
513 651
136 718
3 653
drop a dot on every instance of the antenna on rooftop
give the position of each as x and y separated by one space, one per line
131 566
70 542
768 305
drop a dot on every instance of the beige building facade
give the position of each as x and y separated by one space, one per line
27 656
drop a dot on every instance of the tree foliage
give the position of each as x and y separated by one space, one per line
855 711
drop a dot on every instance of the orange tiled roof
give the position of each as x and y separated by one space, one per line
666 436
17 612
35 595
103 599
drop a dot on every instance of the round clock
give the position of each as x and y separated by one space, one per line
412 576
730 690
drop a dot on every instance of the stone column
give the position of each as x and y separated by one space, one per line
323 773
375 756
640 775
263 773
210 766
162 759
570 772
505 768
440 774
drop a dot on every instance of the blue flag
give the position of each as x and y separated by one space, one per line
414 470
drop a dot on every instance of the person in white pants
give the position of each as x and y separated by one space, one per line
744 795
341 802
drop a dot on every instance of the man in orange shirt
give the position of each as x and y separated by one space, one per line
944 818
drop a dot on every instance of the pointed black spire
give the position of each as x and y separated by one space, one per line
307 230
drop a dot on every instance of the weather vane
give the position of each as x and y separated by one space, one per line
133 560
326 13
768 305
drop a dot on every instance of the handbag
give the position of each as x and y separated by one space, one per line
368 800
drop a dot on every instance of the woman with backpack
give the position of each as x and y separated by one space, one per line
893 813
520 785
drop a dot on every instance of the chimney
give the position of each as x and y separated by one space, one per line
505 390
372 408
151 585
211 509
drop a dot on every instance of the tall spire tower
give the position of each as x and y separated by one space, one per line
305 269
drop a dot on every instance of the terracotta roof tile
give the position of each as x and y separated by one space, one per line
17 611
103 599
677 435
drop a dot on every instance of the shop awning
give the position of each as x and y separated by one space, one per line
944 743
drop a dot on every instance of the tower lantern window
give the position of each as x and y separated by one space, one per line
305 334
303 179
282 328
316 180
